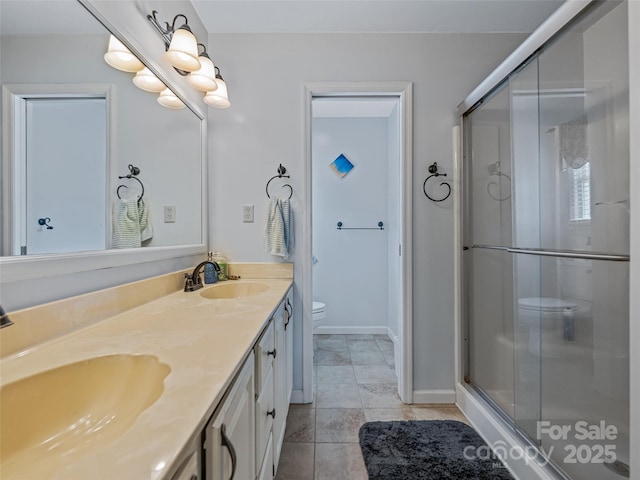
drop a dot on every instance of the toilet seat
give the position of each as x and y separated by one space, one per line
545 304
319 313
318 307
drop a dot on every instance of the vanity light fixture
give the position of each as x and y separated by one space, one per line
120 58
180 44
218 98
147 81
182 53
204 79
169 99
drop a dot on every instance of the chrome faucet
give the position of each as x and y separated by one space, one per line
193 281
4 318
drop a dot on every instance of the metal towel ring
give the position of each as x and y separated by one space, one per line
281 174
433 170
132 176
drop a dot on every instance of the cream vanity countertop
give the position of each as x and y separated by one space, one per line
204 343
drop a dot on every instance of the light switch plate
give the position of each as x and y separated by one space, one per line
247 213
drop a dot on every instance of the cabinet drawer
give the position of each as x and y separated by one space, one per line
266 472
265 413
265 353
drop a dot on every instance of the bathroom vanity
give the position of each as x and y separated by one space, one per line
188 385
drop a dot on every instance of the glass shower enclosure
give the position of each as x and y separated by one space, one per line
546 235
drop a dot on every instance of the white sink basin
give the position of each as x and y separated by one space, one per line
55 417
234 290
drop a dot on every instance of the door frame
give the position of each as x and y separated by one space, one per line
14 97
404 92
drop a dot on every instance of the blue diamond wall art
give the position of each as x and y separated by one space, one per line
341 165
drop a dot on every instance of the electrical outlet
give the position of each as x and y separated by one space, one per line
247 213
170 214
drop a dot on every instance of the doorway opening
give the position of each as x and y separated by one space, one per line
56 132
358 233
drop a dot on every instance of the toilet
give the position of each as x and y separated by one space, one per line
551 322
319 313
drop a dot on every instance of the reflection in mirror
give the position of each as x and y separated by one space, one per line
75 124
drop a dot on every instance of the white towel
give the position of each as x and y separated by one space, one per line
131 225
274 235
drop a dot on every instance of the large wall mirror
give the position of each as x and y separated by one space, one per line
73 126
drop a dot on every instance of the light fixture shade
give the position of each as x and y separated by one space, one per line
205 78
168 99
218 98
147 81
183 50
120 58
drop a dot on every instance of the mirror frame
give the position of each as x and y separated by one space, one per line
17 268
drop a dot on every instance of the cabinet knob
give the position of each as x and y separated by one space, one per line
273 352
272 413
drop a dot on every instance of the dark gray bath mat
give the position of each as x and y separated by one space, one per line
433 449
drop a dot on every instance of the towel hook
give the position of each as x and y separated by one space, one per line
133 172
433 170
281 174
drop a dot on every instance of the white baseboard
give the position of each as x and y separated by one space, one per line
394 338
330 330
434 396
296 396
492 429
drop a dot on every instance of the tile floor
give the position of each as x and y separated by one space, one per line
355 383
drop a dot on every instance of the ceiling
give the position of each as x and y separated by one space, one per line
373 16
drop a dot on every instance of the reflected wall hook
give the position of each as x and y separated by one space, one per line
433 170
133 171
45 223
495 171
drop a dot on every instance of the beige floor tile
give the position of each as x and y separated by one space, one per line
296 461
335 374
389 414
379 395
367 357
339 461
301 425
374 374
323 357
331 343
338 395
338 425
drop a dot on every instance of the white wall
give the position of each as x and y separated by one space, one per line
264 127
351 276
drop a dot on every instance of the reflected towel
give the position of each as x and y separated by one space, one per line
275 234
131 225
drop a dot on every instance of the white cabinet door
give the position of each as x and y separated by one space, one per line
283 374
230 435
266 412
288 327
266 472
281 400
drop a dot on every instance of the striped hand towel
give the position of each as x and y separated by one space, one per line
130 220
274 234
287 217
